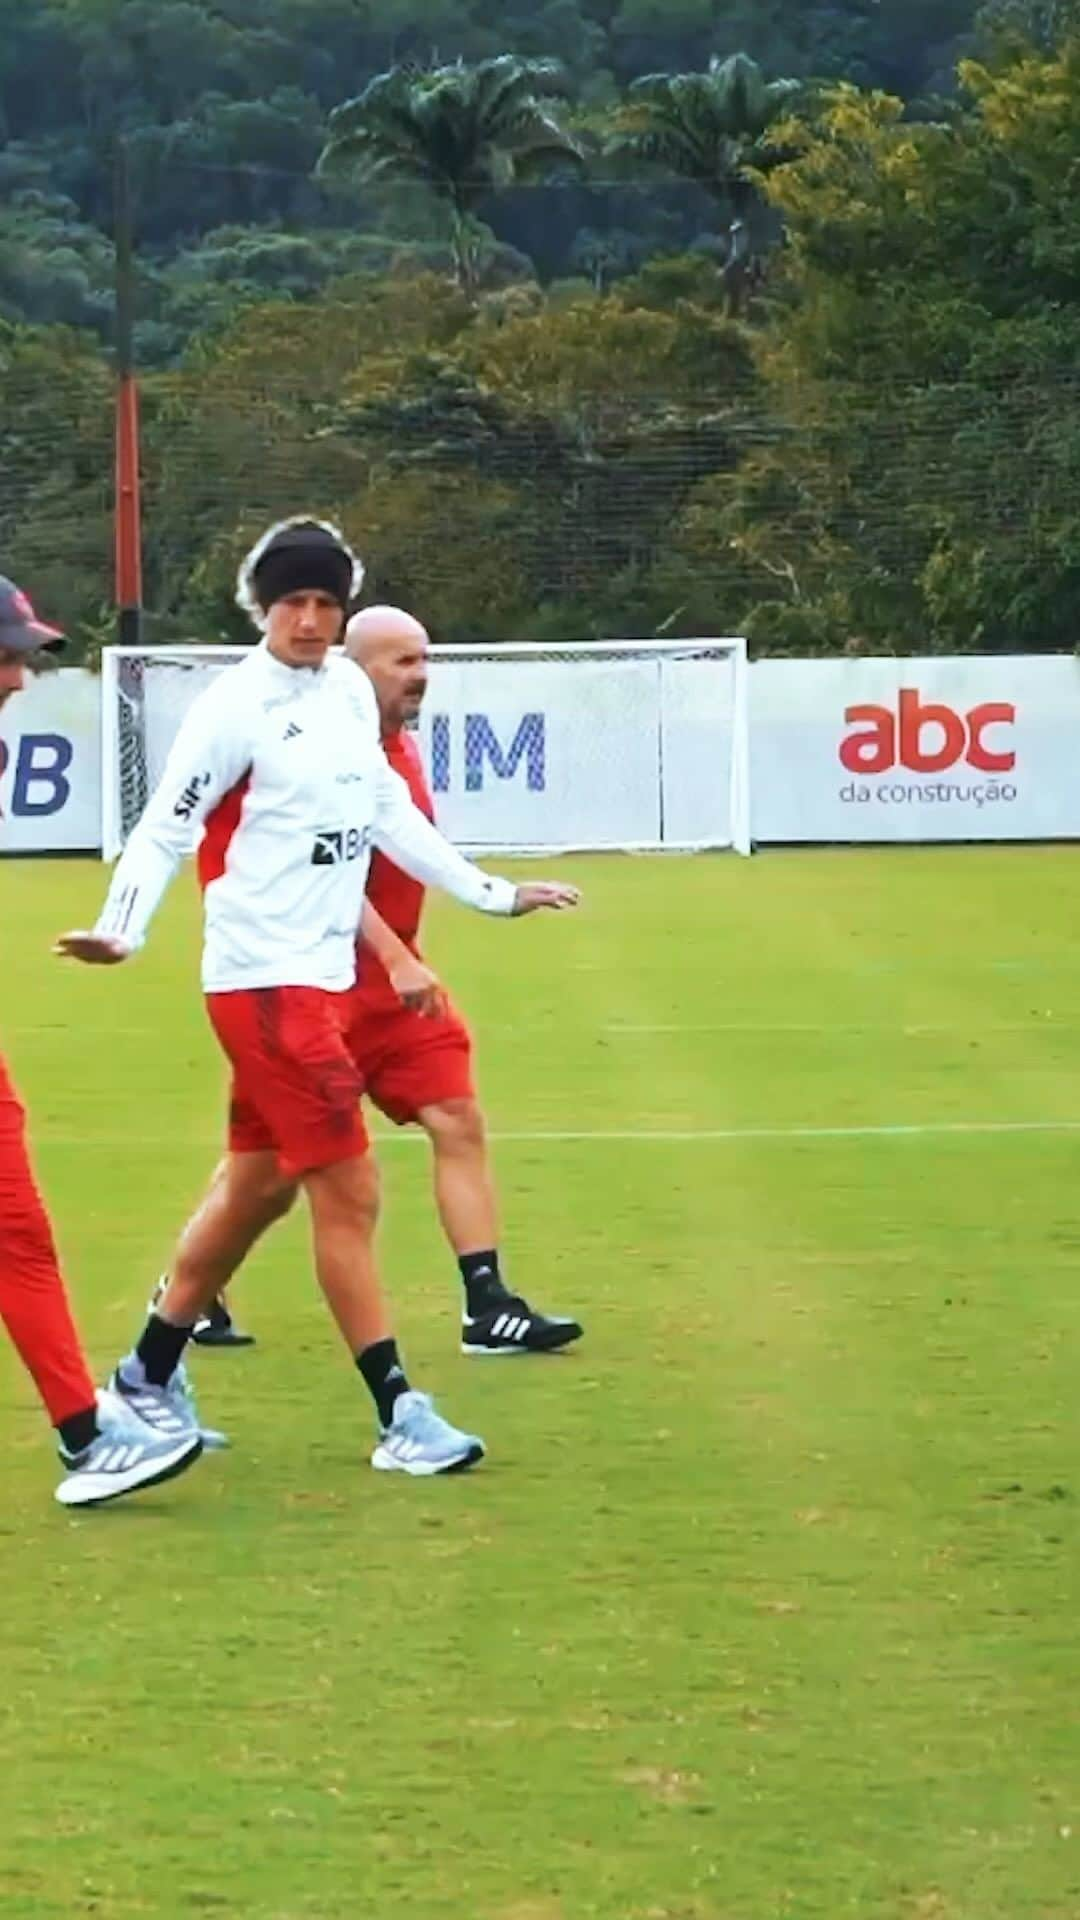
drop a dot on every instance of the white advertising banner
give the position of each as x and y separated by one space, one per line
624 747
618 752
50 765
964 748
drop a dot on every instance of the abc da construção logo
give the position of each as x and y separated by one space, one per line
927 736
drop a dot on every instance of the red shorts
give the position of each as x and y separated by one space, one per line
296 1088
407 1060
400 1059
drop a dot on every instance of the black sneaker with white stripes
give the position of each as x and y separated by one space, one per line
217 1328
512 1326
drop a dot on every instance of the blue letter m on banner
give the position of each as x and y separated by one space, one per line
481 743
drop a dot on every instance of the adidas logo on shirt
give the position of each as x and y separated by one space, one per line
292 731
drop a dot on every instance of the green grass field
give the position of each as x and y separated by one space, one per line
765 1604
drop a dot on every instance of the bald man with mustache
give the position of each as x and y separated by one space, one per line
416 1050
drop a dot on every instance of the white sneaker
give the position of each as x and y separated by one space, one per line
180 1387
166 1409
126 1455
419 1441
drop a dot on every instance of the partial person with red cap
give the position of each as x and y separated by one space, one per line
106 1449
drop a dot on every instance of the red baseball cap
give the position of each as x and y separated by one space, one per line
20 629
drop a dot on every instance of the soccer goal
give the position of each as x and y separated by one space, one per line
621 746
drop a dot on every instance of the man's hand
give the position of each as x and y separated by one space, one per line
545 893
94 949
417 987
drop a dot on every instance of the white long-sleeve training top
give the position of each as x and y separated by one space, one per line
283 771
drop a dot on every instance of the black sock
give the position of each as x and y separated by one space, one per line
79 1432
384 1376
160 1349
483 1282
218 1315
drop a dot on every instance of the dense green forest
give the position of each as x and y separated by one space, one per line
586 317
225 108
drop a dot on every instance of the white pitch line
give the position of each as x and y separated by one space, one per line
838 1030
687 1137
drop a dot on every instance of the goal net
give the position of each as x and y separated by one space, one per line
598 746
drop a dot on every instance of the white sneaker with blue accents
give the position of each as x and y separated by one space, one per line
126 1455
165 1409
419 1441
180 1386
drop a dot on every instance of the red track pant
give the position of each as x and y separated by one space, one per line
33 1302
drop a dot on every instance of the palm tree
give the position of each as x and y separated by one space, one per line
461 131
712 128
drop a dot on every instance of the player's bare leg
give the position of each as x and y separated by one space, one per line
464 1185
413 1438
246 1195
216 1327
344 1203
496 1321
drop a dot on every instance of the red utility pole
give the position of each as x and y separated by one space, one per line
127 510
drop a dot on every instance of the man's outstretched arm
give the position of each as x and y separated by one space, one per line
408 838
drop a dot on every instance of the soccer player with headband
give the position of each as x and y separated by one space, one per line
279 766
416 1057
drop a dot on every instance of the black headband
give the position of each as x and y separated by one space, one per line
303 559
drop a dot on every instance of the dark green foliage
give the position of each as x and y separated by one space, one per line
225 105
738 339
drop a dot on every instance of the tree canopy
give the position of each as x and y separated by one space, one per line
513 332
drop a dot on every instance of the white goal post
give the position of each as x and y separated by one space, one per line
620 746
